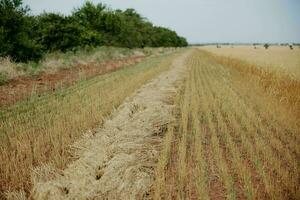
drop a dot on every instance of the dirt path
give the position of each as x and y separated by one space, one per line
118 161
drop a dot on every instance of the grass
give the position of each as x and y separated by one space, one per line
232 140
39 131
3 78
8 70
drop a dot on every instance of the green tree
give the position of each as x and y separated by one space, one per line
90 15
131 29
25 37
15 31
60 33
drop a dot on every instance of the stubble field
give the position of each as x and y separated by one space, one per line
233 138
198 123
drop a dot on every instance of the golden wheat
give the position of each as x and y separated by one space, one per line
279 59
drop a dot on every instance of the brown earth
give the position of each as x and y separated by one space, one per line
23 87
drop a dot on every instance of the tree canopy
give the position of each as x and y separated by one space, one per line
25 37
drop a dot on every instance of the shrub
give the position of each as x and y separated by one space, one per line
266 46
15 29
26 38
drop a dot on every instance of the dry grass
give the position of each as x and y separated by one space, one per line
57 61
232 140
8 70
40 131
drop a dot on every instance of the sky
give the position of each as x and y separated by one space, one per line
206 21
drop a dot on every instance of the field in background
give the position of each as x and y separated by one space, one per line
39 131
279 59
231 140
281 81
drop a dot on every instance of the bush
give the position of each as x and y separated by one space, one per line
26 38
15 29
266 46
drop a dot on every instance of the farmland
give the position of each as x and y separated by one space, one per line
280 59
40 130
183 124
231 141
142 100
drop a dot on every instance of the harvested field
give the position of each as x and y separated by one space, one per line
277 70
118 160
198 126
99 102
40 131
231 140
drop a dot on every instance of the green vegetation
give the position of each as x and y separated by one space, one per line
24 37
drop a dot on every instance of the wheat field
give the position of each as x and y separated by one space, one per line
280 59
231 140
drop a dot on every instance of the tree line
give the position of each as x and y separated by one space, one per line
25 37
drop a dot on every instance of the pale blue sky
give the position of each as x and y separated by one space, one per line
207 20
